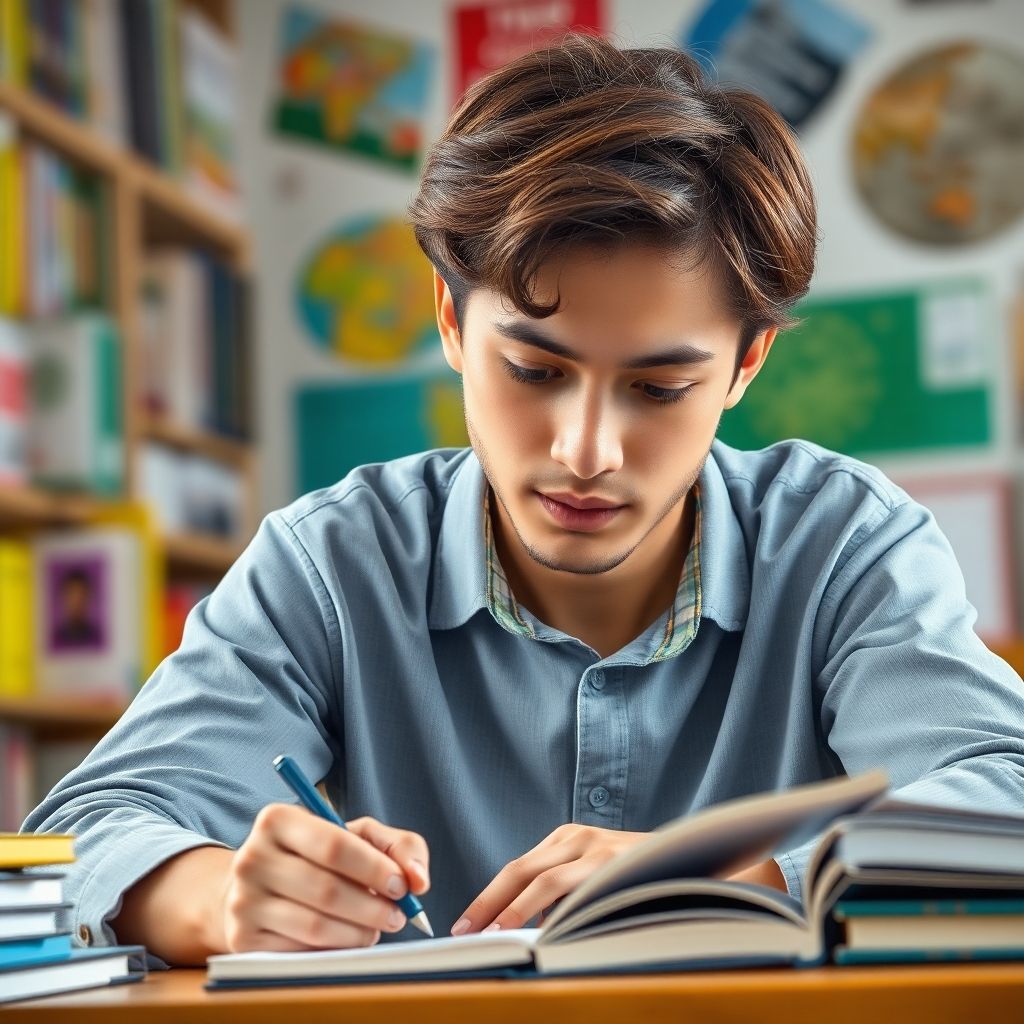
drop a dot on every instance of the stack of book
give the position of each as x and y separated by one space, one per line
36 954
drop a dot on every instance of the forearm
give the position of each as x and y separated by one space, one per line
176 910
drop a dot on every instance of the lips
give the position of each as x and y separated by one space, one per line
579 520
581 503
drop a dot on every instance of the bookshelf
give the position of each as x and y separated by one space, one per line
145 208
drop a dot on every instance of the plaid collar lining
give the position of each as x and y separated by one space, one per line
682 620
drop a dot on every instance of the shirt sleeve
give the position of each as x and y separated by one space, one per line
906 685
190 762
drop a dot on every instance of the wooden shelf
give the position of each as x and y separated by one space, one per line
61 715
75 139
173 211
197 442
23 505
196 553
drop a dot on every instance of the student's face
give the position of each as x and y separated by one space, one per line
586 425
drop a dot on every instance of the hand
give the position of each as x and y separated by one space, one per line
528 885
299 882
767 873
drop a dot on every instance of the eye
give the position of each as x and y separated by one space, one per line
665 396
525 375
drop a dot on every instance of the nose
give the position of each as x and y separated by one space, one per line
588 438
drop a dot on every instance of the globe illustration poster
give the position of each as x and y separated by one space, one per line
366 297
938 148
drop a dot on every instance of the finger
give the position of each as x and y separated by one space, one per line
300 881
316 930
264 941
336 849
545 889
408 849
506 885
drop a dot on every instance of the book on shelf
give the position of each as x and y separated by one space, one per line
17 776
665 903
75 420
208 80
37 956
12 224
191 493
196 349
13 403
17 651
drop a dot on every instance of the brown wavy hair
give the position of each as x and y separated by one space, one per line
586 142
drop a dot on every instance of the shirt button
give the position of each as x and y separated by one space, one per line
597 681
85 935
598 796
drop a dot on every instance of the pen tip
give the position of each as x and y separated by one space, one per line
422 922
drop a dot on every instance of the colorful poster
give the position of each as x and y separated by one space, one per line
870 374
343 424
352 88
938 147
489 35
790 52
366 294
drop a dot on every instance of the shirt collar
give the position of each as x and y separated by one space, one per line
460 564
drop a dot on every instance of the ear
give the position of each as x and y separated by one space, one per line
447 325
751 365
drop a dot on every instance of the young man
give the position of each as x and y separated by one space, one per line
510 662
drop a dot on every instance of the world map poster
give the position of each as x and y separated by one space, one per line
876 373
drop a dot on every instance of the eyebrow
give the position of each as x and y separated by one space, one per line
683 354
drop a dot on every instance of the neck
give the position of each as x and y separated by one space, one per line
605 610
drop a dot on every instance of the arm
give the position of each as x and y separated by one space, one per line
904 683
189 765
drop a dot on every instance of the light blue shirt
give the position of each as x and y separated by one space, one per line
355 634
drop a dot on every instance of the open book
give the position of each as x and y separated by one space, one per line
657 904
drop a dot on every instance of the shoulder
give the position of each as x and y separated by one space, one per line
410 488
801 475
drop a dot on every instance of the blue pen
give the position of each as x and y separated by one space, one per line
313 801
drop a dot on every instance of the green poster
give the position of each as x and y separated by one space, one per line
866 374
344 424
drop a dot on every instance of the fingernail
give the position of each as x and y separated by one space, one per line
420 868
396 919
460 926
492 927
396 887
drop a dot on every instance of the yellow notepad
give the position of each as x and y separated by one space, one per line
23 851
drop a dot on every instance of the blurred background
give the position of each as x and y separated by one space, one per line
210 302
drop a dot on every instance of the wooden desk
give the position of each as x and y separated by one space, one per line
957 994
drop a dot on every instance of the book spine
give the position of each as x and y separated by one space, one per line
13 404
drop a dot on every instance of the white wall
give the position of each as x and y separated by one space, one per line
856 251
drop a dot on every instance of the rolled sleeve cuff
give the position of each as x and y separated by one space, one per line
792 873
128 860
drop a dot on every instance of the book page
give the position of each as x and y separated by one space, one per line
726 838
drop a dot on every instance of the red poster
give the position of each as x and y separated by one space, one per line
489 35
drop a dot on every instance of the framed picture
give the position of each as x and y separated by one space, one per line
974 511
